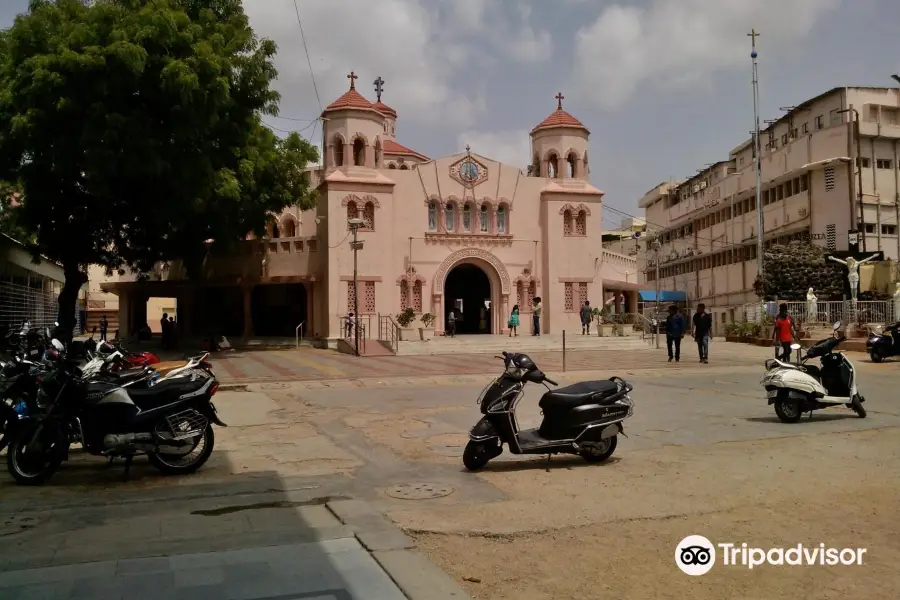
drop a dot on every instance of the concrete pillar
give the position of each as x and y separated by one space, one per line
124 315
545 168
329 156
370 157
310 308
348 155
579 168
502 317
248 311
438 312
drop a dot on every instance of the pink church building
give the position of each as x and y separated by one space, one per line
461 231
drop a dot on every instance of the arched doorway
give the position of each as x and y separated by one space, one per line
466 289
278 308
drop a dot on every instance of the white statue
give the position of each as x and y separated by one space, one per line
897 301
853 272
812 306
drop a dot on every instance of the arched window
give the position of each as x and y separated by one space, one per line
275 232
432 216
417 296
553 166
368 216
450 217
571 162
536 166
337 148
484 219
392 166
290 228
352 210
502 213
403 167
567 222
467 217
359 152
404 295
581 223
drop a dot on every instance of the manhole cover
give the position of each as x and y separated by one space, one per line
419 491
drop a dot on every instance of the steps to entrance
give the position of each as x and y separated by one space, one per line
494 344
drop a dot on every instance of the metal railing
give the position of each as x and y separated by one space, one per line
648 331
19 303
389 331
347 325
298 332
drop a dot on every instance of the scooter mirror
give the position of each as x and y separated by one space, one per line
58 345
796 346
836 326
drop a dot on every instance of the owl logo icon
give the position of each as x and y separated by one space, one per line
695 555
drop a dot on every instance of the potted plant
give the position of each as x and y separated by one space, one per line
427 332
405 319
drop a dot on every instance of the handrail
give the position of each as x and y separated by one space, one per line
389 332
648 331
298 332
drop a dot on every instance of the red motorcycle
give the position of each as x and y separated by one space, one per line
131 359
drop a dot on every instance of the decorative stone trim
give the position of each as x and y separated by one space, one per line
460 255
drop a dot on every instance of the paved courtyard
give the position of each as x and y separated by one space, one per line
303 474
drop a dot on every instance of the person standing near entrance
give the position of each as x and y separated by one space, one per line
536 316
586 315
451 323
104 327
514 321
784 331
674 332
702 330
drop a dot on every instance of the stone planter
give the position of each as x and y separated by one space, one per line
426 333
733 338
606 330
407 334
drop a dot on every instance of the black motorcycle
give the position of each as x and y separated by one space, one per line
584 418
885 344
171 422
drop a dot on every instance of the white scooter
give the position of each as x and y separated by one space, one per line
796 388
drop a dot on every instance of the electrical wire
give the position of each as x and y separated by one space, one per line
306 50
725 245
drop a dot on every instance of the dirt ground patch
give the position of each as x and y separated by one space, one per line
611 531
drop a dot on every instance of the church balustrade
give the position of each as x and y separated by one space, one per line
262 259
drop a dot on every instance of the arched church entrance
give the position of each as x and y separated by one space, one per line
278 308
467 290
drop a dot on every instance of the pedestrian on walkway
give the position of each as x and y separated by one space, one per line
674 332
514 321
104 327
702 330
783 332
586 316
451 323
536 316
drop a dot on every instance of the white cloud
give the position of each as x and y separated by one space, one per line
505 27
510 147
679 42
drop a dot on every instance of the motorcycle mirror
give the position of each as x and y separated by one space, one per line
796 346
58 345
836 326
56 323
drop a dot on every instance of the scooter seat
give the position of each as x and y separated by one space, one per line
579 394
127 374
165 392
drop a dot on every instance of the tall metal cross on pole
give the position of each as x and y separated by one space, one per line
759 208
379 87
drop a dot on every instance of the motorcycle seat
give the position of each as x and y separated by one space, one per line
165 392
579 394
127 374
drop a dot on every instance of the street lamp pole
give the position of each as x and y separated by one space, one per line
859 183
356 245
655 243
759 208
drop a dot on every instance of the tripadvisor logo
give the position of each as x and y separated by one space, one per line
696 555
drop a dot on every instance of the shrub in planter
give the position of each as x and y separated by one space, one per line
427 332
405 319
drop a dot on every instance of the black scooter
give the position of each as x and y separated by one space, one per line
885 344
584 418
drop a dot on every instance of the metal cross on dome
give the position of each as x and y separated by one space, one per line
352 77
379 87
559 98
468 149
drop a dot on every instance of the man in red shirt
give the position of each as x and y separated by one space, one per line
783 334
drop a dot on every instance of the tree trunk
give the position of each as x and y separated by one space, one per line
75 278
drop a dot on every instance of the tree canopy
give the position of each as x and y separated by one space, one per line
789 271
134 132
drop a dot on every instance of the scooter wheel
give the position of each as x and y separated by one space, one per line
475 456
788 410
875 355
857 406
602 451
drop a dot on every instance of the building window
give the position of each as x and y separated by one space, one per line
836 116
501 219
467 218
796 186
864 161
532 294
352 211
368 216
794 133
884 163
804 182
870 228
432 216
359 152
581 223
820 122
404 295
780 192
417 296
520 294
484 219
337 148
570 297
368 307
784 139
582 294
829 179
450 217
806 128
567 222
888 230
351 296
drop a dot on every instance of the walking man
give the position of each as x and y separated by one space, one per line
586 316
536 316
702 330
783 333
104 327
451 323
674 332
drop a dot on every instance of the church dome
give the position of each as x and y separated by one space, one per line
385 109
351 99
560 119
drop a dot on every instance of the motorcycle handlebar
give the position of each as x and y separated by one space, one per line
550 381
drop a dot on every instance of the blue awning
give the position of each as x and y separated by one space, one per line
664 296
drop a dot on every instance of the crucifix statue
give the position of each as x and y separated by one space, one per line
379 87
853 272
559 98
352 77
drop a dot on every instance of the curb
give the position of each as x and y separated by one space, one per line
416 576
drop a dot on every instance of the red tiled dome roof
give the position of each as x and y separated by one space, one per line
393 148
384 109
560 118
351 98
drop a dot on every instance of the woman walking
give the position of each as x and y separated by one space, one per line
514 321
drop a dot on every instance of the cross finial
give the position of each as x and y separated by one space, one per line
559 98
352 77
753 35
379 87
468 149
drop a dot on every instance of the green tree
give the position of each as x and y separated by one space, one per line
789 272
134 130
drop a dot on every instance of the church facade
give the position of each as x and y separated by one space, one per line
463 232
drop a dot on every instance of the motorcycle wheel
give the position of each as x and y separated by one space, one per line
602 451
857 407
176 464
875 355
31 470
788 410
475 456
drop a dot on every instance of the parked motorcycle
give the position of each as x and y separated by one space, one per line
885 344
583 419
797 388
168 422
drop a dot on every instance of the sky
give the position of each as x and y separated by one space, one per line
664 86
